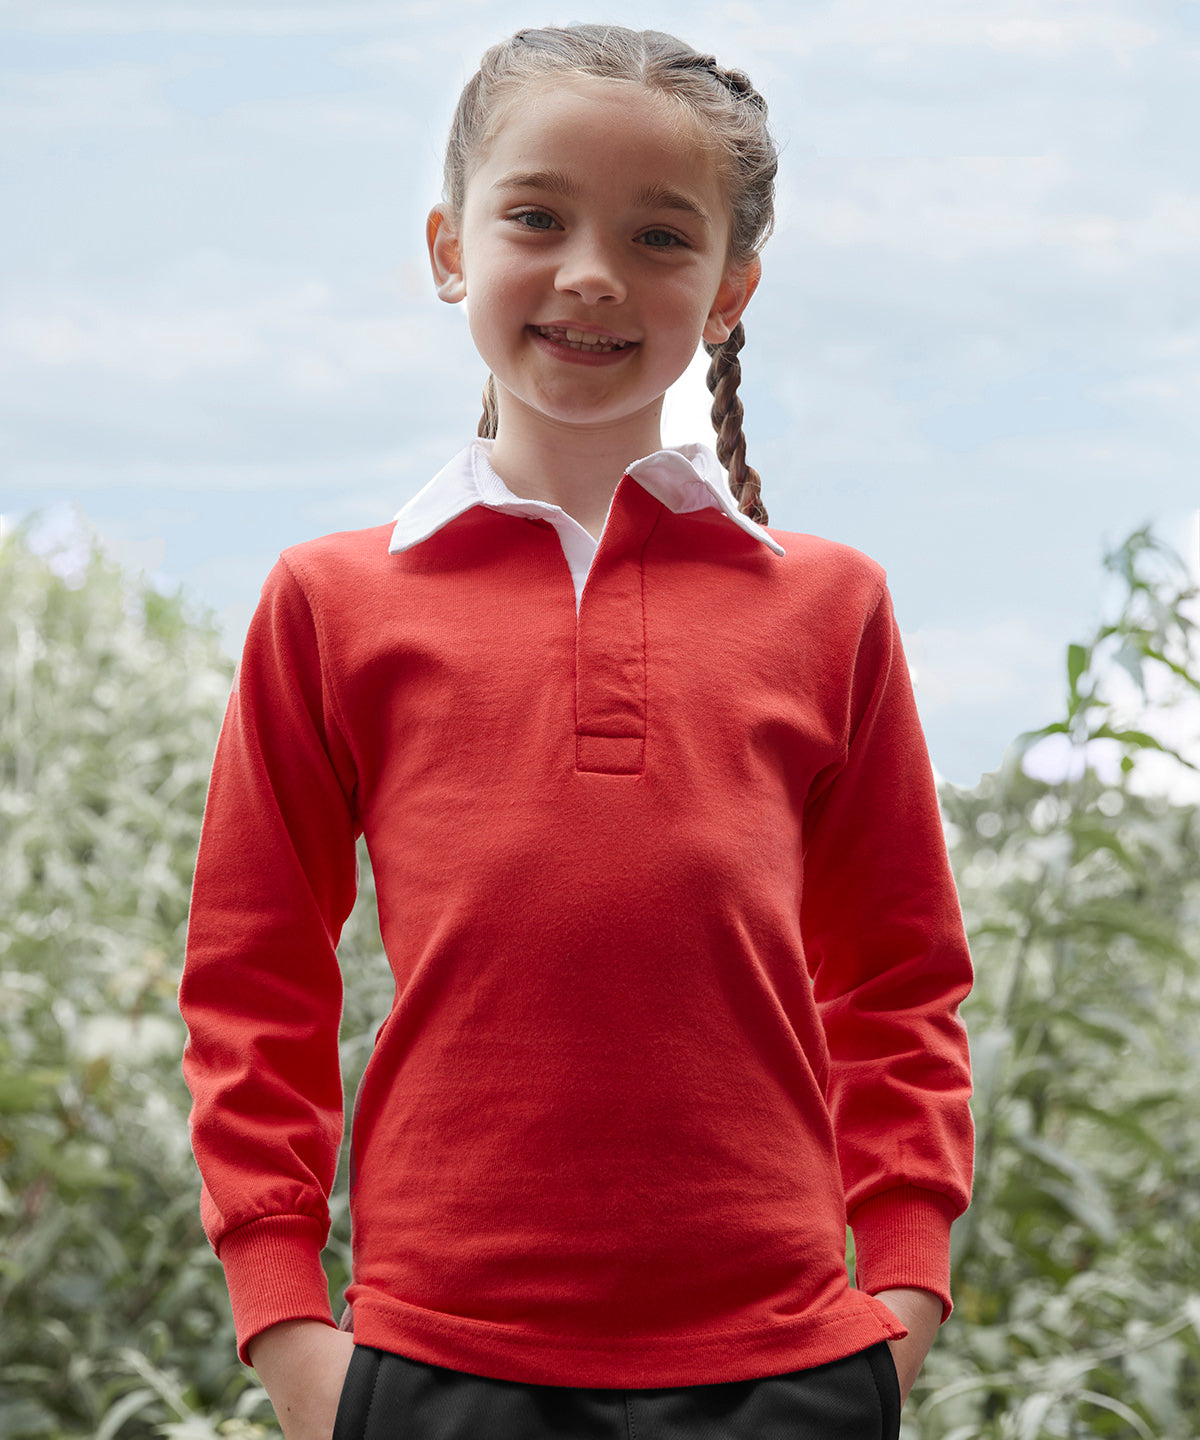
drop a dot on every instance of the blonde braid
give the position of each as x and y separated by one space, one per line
724 377
489 420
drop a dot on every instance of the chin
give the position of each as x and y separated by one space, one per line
575 413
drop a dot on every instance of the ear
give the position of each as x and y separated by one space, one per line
737 286
445 256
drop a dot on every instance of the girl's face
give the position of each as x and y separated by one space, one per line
593 246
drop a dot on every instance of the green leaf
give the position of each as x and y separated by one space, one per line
1077 662
21 1092
1119 1408
1028 738
1084 1196
131 1404
1032 1414
1139 739
1130 657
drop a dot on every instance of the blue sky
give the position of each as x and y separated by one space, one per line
975 353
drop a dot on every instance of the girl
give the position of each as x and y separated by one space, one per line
659 861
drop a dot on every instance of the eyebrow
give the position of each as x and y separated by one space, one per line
553 180
655 196
650 197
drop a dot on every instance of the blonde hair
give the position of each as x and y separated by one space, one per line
733 114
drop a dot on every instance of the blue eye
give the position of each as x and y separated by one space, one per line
535 219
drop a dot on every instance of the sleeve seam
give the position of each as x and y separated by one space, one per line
314 1219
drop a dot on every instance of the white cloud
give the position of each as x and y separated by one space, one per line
80 331
944 209
302 333
1036 33
139 96
282 18
959 208
122 96
209 476
396 57
890 34
338 120
981 667
1100 243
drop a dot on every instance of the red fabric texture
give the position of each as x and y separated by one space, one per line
677 950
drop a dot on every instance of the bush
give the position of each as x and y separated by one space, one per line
110 700
1077 1274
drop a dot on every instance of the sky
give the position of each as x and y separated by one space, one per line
975 352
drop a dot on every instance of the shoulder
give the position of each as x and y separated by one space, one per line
327 573
815 552
314 586
826 572
334 560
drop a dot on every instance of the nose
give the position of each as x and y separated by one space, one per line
589 269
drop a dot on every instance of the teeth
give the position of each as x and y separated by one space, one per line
581 339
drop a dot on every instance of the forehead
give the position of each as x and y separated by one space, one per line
603 128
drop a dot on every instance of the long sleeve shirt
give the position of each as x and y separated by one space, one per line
678 955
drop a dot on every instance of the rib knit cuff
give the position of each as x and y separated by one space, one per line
273 1270
902 1240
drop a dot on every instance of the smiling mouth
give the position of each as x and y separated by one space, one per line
584 340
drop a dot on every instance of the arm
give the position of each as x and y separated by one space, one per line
302 1365
261 990
921 1313
885 944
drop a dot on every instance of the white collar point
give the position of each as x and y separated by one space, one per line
684 478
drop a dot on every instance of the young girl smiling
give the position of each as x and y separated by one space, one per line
658 855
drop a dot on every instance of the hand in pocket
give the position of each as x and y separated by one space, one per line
302 1365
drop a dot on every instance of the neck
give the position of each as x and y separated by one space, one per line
575 467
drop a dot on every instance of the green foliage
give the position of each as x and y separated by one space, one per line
116 1320
1076 1271
110 698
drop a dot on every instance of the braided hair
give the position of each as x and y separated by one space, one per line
732 113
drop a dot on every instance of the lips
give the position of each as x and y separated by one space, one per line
589 342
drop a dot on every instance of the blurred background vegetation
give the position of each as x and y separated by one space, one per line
1077 1272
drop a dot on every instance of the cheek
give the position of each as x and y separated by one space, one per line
478 326
497 280
490 334
687 295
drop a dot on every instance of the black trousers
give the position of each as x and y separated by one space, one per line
389 1397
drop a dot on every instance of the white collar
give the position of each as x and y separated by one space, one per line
684 479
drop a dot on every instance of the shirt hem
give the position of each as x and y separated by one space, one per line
502 1352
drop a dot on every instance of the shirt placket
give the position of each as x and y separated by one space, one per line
610 641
